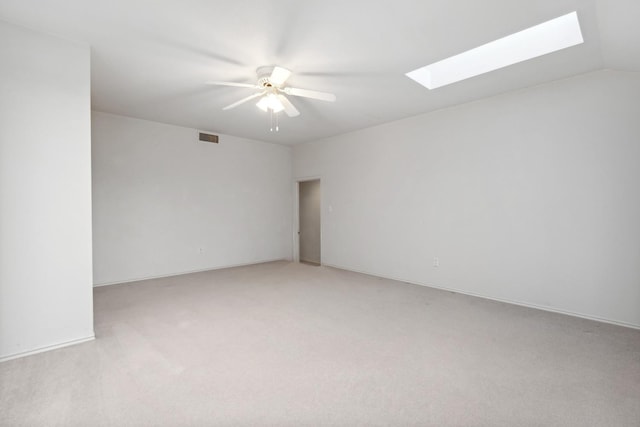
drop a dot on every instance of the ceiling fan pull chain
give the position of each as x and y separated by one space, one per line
277 127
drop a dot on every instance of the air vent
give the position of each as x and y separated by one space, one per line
207 137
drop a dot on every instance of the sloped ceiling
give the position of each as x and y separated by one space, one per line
151 59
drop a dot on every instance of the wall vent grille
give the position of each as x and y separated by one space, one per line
207 137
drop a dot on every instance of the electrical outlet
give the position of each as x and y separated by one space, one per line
436 261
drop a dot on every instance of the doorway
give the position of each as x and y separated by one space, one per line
309 233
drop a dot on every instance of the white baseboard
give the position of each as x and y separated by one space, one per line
180 273
520 303
46 348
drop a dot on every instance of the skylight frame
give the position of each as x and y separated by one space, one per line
550 36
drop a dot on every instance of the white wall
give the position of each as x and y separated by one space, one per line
531 197
45 192
160 196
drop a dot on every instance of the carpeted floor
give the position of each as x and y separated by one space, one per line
284 344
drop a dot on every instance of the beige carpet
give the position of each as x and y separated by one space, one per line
285 344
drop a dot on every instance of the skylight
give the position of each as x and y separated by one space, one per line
551 36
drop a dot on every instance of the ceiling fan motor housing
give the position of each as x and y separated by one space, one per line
263 76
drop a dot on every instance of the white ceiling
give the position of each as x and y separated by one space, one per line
150 58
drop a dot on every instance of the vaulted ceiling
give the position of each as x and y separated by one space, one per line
151 58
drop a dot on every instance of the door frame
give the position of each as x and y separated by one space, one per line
296 216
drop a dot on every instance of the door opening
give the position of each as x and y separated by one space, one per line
309 240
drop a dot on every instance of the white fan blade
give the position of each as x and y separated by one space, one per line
305 93
243 100
279 75
233 84
288 106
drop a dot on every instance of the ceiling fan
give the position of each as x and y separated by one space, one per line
272 91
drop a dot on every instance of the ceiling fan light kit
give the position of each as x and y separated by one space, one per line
270 102
270 84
